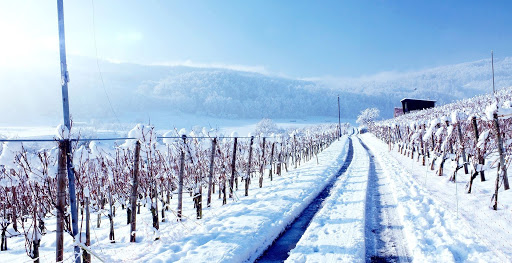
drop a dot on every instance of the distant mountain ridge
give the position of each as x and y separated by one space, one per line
444 83
144 90
220 92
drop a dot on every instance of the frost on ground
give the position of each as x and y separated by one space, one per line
236 232
441 222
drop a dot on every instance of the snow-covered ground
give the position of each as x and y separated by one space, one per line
336 233
163 122
236 232
383 231
439 222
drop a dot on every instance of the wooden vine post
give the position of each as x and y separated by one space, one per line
423 150
210 175
133 196
111 235
248 177
389 138
262 169
36 238
480 157
463 149
233 169
406 153
501 167
180 178
295 151
271 159
87 256
61 201
278 164
224 201
4 225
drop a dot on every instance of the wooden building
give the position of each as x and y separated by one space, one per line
409 105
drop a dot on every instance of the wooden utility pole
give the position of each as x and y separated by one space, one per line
65 106
339 117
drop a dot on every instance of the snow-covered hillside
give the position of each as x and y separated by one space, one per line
143 91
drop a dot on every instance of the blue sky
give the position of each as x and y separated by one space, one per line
291 38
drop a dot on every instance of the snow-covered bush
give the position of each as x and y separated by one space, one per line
267 126
367 116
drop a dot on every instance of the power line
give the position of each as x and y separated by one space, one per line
132 138
98 63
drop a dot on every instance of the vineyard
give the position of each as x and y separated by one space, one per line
142 171
475 134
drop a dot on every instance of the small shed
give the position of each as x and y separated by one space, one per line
409 105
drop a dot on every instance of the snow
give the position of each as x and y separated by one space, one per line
336 233
62 132
236 232
170 133
482 138
384 236
441 223
9 152
242 230
491 110
439 131
505 112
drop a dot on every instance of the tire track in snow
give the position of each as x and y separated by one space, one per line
433 232
383 230
336 233
278 251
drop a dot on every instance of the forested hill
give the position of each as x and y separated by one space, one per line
148 90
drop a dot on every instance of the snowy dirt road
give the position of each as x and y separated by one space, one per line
358 221
433 228
278 251
384 230
378 212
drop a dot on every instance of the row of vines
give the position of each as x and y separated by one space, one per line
475 133
143 171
